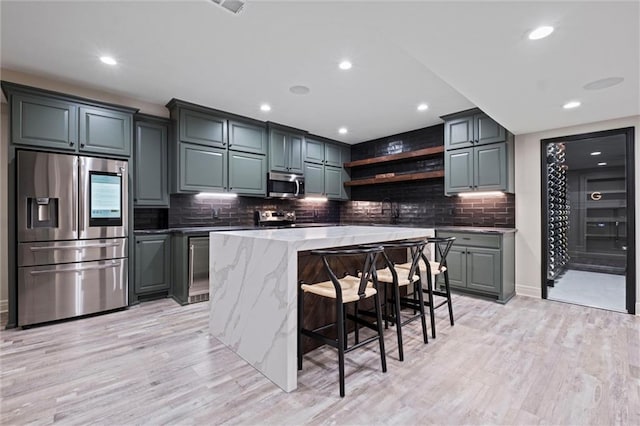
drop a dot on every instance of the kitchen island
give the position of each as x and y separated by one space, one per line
253 288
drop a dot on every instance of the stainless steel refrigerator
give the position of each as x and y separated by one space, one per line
72 235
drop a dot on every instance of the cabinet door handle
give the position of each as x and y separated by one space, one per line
71 143
190 265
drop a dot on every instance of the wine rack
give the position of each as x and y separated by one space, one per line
557 210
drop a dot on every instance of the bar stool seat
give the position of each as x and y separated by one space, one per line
385 275
349 286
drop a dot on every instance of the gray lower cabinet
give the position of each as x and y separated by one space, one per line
480 168
202 168
247 137
247 173
151 186
105 131
482 263
43 122
152 263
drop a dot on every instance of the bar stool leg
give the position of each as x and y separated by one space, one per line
383 356
449 303
300 318
418 287
398 321
432 315
357 330
340 342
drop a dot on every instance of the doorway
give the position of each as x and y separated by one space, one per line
588 220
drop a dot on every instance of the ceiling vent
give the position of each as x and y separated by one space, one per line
233 6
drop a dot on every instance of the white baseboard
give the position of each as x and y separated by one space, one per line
528 291
637 307
4 306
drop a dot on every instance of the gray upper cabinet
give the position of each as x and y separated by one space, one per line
202 129
458 167
55 121
314 152
151 164
333 182
105 131
313 179
43 122
490 167
285 151
458 132
295 153
202 168
247 173
486 130
333 155
471 128
152 263
247 137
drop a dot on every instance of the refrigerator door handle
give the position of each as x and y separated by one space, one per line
81 198
45 248
115 264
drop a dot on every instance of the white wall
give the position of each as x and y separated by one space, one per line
58 86
528 200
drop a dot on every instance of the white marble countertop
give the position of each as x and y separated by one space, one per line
331 236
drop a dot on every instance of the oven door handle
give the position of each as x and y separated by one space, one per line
45 248
86 268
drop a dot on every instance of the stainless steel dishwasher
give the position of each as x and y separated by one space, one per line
198 269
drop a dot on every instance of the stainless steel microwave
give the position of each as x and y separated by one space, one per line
285 185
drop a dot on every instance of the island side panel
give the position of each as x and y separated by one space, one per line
253 303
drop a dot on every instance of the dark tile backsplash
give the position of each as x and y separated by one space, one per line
408 203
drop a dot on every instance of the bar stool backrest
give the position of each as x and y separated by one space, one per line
416 250
442 246
370 253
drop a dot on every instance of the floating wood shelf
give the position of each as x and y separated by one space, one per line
397 178
410 155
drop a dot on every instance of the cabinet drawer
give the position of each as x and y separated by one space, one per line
472 239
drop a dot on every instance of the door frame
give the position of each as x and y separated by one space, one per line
629 132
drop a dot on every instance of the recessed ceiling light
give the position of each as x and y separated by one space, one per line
299 90
345 65
603 83
596 153
108 60
265 107
540 32
602 163
571 104
343 130
423 107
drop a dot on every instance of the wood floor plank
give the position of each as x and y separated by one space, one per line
527 362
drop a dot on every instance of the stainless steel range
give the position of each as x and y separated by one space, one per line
72 236
275 218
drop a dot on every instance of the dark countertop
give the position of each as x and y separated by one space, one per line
476 229
207 229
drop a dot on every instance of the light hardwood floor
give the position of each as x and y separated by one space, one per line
527 362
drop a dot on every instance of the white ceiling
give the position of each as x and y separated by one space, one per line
451 55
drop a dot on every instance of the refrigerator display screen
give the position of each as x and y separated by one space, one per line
105 199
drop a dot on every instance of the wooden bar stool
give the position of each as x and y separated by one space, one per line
404 277
344 290
436 268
